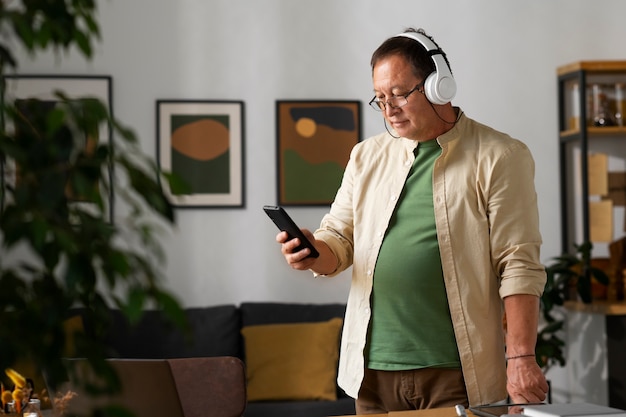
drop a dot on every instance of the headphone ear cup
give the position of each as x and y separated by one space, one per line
430 88
439 89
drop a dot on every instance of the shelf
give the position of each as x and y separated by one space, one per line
598 131
617 308
592 66
600 324
577 140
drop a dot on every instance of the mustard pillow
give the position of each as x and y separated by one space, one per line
292 361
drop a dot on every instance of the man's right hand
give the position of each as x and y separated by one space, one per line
325 264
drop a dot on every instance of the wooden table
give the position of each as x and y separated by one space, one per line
435 412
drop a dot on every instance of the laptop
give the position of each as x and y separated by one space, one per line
148 389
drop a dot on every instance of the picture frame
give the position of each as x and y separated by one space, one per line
43 87
202 143
314 139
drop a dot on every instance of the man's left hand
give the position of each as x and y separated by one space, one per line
525 381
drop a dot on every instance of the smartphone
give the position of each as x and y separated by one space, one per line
282 220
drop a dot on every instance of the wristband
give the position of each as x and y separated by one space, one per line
527 355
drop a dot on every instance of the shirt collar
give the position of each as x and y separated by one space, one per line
455 132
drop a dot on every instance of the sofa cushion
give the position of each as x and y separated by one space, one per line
213 331
293 361
253 313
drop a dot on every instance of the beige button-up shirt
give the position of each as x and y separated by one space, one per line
488 231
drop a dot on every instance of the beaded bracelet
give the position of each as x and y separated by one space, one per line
527 355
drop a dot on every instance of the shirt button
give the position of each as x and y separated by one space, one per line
393 198
367 311
369 272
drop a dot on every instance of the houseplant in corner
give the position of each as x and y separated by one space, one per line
569 276
56 255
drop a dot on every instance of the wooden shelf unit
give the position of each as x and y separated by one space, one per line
579 135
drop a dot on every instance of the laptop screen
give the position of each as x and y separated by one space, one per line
148 388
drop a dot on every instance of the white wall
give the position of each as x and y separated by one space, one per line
504 55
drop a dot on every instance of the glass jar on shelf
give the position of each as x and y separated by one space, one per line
620 103
573 121
601 114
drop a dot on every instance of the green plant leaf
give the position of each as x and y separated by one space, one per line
77 256
176 183
83 42
152 193
584 289
23 29
599 275
7 57
171 307
39 231
134 305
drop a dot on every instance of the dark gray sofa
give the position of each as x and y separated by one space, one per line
215 331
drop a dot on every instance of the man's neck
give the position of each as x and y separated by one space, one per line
445 117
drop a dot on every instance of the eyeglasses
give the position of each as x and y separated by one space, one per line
394 102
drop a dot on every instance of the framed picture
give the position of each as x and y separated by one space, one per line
43 88
202 143
314 140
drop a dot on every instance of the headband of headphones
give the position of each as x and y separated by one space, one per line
439 87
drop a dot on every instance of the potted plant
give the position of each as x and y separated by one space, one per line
56 255
568 276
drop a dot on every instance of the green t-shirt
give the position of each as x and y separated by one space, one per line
411 326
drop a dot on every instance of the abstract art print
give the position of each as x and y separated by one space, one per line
314 140
20 90
201 142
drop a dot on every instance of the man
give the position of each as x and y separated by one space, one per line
438 217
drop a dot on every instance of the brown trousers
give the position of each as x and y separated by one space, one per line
384 391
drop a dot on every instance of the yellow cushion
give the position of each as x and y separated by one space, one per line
72 326
292 361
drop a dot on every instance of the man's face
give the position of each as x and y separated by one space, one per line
393 76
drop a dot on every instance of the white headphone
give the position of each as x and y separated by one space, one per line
439 87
